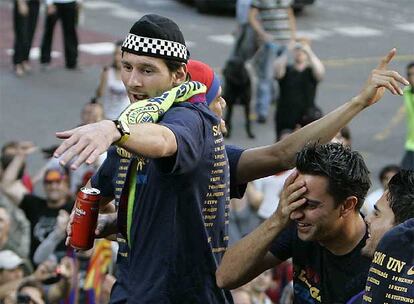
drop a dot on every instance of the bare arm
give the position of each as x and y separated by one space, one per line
254 196
89 141
264 161
49 244
257 25
280 66
61 289
9 184
292 23
316 65
250 256
8 287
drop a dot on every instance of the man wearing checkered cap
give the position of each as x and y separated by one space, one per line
176 240
173 211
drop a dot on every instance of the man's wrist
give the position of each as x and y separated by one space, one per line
276 223
114 133
359 102
122 132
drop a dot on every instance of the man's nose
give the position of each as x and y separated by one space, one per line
135 79
223 103
297 214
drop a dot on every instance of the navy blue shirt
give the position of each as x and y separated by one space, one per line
319 275
391 276
179 231
110 179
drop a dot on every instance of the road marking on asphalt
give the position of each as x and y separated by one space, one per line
115 9
340 62
227 39
409 27
125 13
158 2
395 120
100 5
97 49
100 48
315 34
35 53
357 31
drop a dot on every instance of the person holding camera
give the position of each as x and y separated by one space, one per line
298 83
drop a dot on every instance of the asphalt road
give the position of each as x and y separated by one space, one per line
349 36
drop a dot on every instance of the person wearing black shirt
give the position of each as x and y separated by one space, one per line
42 213
297 83
317 224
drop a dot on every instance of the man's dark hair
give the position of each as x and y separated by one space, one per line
345 169
172 65
401 195
8 145
390 168
312 114
346 133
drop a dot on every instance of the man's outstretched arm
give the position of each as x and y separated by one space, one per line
264 161
87 142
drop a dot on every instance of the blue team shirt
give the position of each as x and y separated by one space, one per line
110 179
391 276
179 230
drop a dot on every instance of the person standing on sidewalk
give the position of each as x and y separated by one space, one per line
66 11
275 25
25 13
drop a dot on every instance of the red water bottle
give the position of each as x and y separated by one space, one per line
85 219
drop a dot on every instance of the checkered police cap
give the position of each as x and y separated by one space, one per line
156 36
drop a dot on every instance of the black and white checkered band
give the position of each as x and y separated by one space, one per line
155 47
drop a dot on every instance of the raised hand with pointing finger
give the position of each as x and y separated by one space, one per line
380 80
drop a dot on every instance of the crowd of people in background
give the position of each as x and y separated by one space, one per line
269 63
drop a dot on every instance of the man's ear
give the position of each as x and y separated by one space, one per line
180 75
349 206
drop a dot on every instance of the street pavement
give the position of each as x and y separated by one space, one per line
349 36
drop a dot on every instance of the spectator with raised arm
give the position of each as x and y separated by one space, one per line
298 83
42 213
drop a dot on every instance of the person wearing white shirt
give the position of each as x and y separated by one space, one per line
385 175
270 187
